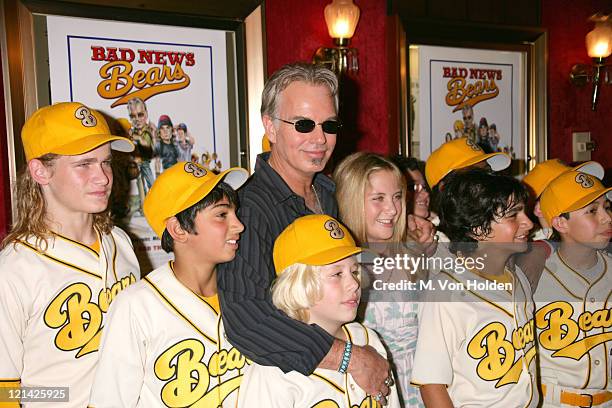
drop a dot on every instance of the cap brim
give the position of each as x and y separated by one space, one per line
588 199
90 142
497 161
235 177
330 255
592 168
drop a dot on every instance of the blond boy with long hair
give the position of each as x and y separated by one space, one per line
63 262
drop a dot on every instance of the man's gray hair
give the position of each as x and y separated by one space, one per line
296 72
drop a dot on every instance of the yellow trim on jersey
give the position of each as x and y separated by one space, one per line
59 261
213 304
584 334
606 352
177 311
95 246
555 277
329 382
586 281
80 244
505 277
347 333
114 257
605 270
511 315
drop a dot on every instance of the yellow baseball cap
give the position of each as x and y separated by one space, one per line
313 240
68 128
569 192
545 172
182 186
457 154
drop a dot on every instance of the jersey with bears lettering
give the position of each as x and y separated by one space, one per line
269 387
480 343
165 346
53 305
573 325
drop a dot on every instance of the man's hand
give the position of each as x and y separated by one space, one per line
424 232
370 370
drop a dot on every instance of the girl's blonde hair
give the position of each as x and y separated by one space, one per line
297 289
30 219
352 177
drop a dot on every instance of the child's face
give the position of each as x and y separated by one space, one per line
512 228
181 134
383 205
79 184
420 195
340 286
591 225
165 132
218 230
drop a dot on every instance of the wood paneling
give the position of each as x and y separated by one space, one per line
508 12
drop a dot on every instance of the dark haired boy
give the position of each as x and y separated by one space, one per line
165 146
165 344
573 296
476 343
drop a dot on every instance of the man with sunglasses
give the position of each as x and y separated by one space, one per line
299 112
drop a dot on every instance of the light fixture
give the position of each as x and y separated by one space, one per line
599 47
341 17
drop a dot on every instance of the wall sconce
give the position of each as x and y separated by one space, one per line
341 17
599 47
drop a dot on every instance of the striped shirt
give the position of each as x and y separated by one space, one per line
253 324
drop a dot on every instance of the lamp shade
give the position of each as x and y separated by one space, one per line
599 41
341 17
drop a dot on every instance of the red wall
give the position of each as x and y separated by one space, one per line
295 29
569 107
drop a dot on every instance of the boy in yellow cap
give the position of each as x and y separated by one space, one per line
63 262
541 176
537 180
457 154
460 154
164 344
318 282
573 296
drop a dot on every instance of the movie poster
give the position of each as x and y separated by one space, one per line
164 87
471 93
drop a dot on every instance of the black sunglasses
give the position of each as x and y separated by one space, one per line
307 125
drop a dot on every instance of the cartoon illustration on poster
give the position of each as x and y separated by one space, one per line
471 93
164 87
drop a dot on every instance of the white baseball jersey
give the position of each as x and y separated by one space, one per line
165 346
574 326
53 305
478 343
269 387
